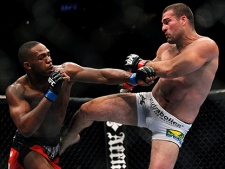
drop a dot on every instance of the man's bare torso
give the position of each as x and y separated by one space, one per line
183 96
50 128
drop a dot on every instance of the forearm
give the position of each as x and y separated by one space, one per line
114 76
31 121
163 69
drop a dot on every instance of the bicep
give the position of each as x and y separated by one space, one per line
90 75
189 60
17 106
80 73
194 57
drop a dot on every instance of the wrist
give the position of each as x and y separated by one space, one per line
51 96
128 86
133 79
142 63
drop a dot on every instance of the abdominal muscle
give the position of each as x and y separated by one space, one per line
181 100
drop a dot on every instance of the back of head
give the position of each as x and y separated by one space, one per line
24 50
181 9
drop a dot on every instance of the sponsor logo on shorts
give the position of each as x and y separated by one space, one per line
142 100
164 117
177 135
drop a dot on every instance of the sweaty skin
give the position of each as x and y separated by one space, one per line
186 76
37 117
186 66
37 121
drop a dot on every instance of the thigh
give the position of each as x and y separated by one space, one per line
163 154
34 160
120 108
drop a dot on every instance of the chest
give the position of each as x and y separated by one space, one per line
169 54
34 98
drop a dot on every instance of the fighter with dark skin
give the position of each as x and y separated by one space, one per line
38 102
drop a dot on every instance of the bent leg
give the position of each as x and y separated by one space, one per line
120 108
163 154
34 160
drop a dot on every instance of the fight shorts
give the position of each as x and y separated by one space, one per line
21 146
163 125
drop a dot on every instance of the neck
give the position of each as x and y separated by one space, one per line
187 40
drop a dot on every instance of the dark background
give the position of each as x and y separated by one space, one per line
97 33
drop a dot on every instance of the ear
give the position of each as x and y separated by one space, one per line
26 65
183 20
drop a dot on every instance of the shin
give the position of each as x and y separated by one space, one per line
77 124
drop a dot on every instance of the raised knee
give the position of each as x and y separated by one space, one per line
83 111
86 109
86 114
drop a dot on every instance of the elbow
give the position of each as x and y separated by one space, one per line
172 75
26 133
167 74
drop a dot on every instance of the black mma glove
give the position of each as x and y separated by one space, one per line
144 72
134 62
55 80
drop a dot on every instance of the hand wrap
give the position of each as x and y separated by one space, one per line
55 80
133 79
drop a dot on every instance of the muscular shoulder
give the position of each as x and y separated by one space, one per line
164 50
206 47
17 88
205 41
164 46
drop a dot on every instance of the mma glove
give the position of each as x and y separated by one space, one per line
55 81
133 62
141 74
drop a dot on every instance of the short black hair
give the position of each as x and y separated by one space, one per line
24 50
181 9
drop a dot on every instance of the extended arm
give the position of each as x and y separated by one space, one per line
108 76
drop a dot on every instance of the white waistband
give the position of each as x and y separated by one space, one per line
165 116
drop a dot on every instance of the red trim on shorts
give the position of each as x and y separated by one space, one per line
13 158
41 151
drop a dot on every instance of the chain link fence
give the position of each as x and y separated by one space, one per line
203 148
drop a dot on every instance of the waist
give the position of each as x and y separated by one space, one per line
182 114
37 140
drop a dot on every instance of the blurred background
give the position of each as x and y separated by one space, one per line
97 33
